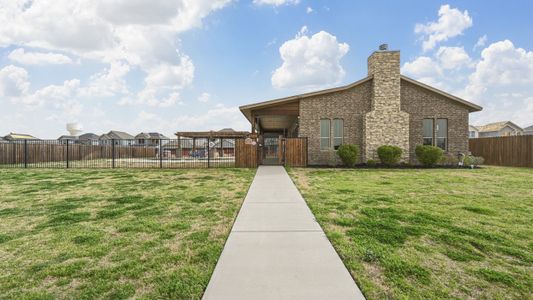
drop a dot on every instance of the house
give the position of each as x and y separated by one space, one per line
19 137
505 128
88 139
64 139
528 130
119 137
2 140
384 108
473 132
150 139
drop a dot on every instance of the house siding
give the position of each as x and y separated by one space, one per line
350 105
421 103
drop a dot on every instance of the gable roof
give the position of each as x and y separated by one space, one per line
151 135
497 126
19 136
472 127
247 109
529 128
88 136
119 135
68 137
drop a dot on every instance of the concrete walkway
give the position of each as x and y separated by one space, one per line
276 249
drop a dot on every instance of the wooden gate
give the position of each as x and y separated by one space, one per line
294 152
245 154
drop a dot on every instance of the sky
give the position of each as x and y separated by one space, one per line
167 66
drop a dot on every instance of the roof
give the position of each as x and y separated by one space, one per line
88 136
68 137
19 136
213 134
120 135
497 126
247 109
473 127
529 128
151 135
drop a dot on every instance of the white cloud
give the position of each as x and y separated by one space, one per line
38 58
204 97
310 61
452 22
309 10
452 57
481 42
13 81
276 2
214 119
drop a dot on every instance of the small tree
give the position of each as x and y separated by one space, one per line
428 155
348 154
389 155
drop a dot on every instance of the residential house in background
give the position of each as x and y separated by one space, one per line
528 130
505 128
473 132
385 108
120 138
19 137
71 139
88 139
2 140
150 139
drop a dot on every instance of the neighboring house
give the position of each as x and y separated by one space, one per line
19 137
505 128
385 108
2 140
88 139
528 130
71 139
150 139
473 132
119 137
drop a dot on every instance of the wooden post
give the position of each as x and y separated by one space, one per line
25 153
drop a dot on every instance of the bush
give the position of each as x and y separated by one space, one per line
449 160
428 155
473 161
389 155
371 163
348 154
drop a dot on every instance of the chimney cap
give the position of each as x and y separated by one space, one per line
383 47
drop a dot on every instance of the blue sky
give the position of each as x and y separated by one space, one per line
164 65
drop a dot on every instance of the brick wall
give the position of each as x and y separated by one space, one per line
350 105
421 103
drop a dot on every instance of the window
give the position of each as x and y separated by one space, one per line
338 133
427 131
325 133
442 133
472 134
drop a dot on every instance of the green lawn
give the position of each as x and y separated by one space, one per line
114 233
425 234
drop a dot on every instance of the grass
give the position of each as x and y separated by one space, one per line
84 234
428 234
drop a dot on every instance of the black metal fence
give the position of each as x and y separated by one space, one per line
115 153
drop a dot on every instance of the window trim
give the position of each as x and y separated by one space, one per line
341 137
328 147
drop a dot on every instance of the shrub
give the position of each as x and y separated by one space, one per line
348 154
473 161
389 155
449 160
371 163
428 155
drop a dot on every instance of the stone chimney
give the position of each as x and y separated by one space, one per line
386 123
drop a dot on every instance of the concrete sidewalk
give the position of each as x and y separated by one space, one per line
276 249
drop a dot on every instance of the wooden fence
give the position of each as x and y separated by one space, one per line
513 151
295 152
245 154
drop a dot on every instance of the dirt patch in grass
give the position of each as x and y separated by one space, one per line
425 234
114 233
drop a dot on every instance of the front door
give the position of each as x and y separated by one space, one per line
271 150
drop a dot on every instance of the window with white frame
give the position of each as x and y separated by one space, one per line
338 133
325 134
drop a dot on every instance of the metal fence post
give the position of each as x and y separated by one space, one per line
208 153
25 153
67 154
160 155
113 153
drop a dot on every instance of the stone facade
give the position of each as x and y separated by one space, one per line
386 123
349 105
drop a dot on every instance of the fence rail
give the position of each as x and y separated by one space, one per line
513 151
162 153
